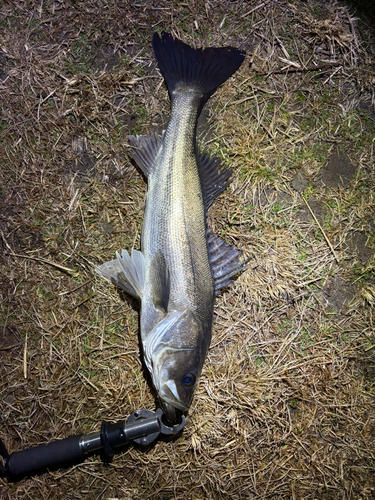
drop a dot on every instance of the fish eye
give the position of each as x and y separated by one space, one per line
189 379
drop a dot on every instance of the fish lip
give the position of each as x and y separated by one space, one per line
172 407
171 413
169 402
169 394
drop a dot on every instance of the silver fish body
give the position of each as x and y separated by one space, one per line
182 264
174 226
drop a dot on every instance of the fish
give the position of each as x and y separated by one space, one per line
182 264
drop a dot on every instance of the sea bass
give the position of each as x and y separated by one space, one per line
182 264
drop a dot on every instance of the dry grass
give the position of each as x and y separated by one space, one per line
285 406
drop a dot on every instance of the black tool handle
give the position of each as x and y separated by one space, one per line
45 456
142 427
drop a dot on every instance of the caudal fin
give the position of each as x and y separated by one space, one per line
205 69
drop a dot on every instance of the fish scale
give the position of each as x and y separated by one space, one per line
182 265
174 187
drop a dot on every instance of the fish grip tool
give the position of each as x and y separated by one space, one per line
142 427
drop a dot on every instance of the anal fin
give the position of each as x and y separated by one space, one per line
225 261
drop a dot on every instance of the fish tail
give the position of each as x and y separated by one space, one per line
203 69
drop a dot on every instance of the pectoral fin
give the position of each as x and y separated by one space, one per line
127 272
160 282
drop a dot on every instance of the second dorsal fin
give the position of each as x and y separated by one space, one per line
214 177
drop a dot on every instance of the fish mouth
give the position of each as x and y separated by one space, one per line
171 413
170 401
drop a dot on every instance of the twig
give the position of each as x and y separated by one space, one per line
39 259
49 262
320 227
255 8
301 70
84 300
25 359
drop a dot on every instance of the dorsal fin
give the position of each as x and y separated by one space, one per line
225 261
214 177
144 151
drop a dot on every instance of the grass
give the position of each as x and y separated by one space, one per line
284 407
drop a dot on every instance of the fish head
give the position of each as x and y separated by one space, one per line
177 380
174 353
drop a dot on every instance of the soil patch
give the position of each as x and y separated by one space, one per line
357 242
300 181
317 208
338 171
339 293
106 58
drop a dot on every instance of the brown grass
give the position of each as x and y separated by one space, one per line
285 405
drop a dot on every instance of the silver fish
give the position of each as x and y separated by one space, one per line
182 264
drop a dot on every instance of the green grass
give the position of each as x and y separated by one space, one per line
80 56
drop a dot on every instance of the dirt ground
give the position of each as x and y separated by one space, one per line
285 404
